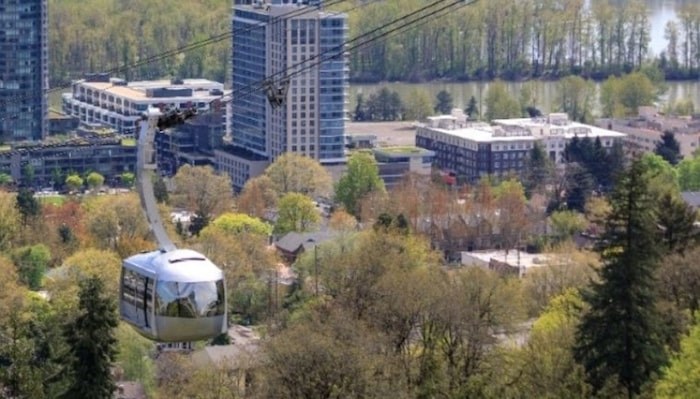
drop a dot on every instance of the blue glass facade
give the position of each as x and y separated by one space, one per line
249 61
308 48
23 70
333 84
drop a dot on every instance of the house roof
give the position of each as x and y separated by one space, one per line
130 390
293 241
229 356
691 198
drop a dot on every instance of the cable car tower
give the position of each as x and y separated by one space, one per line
170 294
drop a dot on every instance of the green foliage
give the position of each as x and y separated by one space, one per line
128 179
499 103
135 357
546 362
95 180
9 219
472 109
669 148
5 179
576 97
417 106
384 105
160 190
296 212
623 96
92 342
235 223
661 176
27 205
74 182
295 173
28 174
538 171
154 28
681 378
683 107
621 337
32 353
360 179
32 262
677 222
689 174
443 102
565 224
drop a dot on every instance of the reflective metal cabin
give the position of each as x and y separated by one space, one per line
173 296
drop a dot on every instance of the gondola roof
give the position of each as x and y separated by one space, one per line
180 265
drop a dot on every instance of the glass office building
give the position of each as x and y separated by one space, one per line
299 43
23 70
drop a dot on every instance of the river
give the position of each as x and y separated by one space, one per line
660 12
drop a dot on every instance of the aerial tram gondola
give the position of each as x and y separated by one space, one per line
170 294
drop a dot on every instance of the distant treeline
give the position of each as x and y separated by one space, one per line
507 39
515 39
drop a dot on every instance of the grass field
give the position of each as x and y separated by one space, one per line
56 200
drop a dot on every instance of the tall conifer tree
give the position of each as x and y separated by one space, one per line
621 336
92 343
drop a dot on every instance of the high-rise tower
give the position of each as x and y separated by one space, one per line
299 44
23 69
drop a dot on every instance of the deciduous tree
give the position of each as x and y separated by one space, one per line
74 182
201 191
360 179
32 262
258 197
499 103
681 379
95 180
576 97
294 173
236 223
296 212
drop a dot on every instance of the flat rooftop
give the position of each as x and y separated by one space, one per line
137 90
523 259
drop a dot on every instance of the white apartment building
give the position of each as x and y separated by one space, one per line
646 130
113 102
475 149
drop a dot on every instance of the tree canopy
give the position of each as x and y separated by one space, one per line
360 179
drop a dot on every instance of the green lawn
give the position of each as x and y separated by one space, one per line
56 200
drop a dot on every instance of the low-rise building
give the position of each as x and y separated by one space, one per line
53 161
192 143
474 149
395 162
514 262
100 98
645 130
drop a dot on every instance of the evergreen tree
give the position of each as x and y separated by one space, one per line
676 219
620 339
443 105
160 190
669 148
538 170
579 186
472 109
91 339
360 109
27 204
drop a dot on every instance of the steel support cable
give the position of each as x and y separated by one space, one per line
182 49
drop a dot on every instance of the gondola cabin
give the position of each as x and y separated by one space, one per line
173 296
